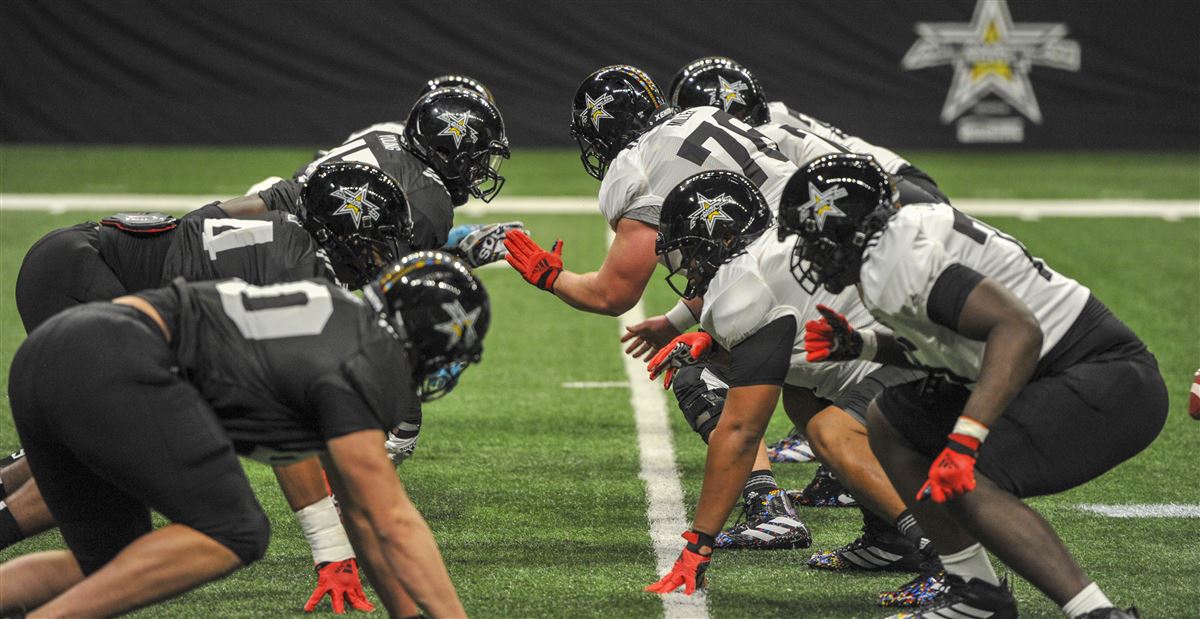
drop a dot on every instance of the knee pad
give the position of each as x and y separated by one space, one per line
701 395
246 534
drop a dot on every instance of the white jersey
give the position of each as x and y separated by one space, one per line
692 141
757 288
921 241
781 114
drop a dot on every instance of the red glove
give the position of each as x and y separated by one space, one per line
689 568
684 350
831 338
538 266
338 579
953 472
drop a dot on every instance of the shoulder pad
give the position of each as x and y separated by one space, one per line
142 224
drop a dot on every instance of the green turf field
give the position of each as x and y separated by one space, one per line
533 489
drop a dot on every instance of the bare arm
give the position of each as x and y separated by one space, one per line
619 283
244 206
404 550
1013 342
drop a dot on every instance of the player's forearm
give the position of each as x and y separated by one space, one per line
1009 358
412 553
586 291
732 448
387 584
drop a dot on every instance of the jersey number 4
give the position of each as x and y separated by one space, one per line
271 312
726 135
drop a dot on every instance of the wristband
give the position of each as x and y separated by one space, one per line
323 530
970 427
702 539
681 317
870 345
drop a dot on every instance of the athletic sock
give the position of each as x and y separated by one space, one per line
969 563
907 524
761 482
1086 601
10 532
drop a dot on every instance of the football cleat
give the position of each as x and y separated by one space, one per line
974 598
873 551
768 522
825 491
791 448
923 589
1112 613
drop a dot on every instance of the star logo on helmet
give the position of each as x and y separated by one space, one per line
458 127
822 205
356 205
461 325
727 94
594 108
710 210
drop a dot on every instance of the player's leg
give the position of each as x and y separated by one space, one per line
769 519
34 579
24 514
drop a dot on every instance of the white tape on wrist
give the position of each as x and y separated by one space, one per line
969 427
681 317
870 344
323 529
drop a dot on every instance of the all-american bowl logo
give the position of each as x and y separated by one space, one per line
992 58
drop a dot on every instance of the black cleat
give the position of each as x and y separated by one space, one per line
768 522
1112 613
975 599
824 491
876 550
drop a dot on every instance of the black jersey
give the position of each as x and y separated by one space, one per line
265 249
287 367
432 209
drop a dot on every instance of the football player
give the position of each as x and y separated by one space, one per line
450 149
640 148
1036 386
727 84
716 231
172 384
357 215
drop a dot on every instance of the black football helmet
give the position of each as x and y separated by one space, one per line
460 134
721 82
439 310
835 204
456 81
706 221
613 106
359 215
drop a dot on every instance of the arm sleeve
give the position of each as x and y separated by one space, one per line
625 192
738 303
764 358
950 293
283 196
899 271
341 410
432 214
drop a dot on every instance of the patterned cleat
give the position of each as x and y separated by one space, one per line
925 588
975 599
1112 613
768 522
824 491
873 551
791 448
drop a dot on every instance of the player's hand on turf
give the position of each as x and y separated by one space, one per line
953 472
649 336
831 338
484 244
689 568
684 350
538 266
339 580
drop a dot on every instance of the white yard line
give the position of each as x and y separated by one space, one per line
1171 210
1142 510
664 494
603 384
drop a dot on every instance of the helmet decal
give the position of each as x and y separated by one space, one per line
710 211
460 326
458 127
728 94
594 109
822 205
356 205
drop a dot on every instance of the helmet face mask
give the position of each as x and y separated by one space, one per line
359 217
720 82
612 107
706 221
460 134
834 205
439 310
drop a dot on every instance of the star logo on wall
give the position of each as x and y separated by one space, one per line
710 211
356 205
992 55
